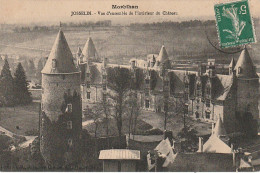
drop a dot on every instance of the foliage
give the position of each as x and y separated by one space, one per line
189 139
96 114
22 95
119 81
6 86
31 68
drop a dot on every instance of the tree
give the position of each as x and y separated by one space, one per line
31 68
22 95
189 139
6 86
119 80
96 114
133 111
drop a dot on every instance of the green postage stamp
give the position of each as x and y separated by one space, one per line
234 24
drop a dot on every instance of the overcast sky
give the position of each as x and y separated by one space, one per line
53 11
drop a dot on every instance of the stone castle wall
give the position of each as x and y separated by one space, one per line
53 88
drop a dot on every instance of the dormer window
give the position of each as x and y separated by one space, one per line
70 143
69 124
239 70
69 108
54 63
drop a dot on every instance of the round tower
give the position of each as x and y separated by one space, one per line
247 94
61 119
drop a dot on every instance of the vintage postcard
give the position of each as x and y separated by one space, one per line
129 86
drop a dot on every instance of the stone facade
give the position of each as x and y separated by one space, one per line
209 96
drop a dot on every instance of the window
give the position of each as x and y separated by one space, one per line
186 96
197 114
104 87
88 95
239 70
87 74
146 93
88 85
70 143
69 108
104 96
147 103
54 63
104 77
207 114
43 121
166 83
207 102
69 124
186 85
147 81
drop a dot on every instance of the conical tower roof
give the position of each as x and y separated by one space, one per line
245 67
89 50
163 56
79 51
60 59
219 129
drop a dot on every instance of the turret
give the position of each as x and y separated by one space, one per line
231 66
162 60
61 118
79 56
247 85
89 51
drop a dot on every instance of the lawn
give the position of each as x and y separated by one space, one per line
26 117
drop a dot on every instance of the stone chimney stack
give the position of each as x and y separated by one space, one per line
200 145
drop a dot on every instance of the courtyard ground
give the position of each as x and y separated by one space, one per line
174 122
20 119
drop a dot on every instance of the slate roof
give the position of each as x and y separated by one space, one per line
222 86
201 162
79 51
219 129
89 50
64 59
163 56
232 63
119 154
215 145
246 65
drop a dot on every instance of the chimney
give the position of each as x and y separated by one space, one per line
232 147
234 158
212 128
200 145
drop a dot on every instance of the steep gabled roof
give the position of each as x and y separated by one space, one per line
89 50
216 145
62 56
246 66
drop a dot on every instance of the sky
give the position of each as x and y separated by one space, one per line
54 11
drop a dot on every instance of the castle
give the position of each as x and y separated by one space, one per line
69 87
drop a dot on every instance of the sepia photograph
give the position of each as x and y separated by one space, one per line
129 86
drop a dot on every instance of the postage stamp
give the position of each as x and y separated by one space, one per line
234 24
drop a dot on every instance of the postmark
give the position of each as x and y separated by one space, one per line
234 24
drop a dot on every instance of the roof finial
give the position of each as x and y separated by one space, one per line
60 25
